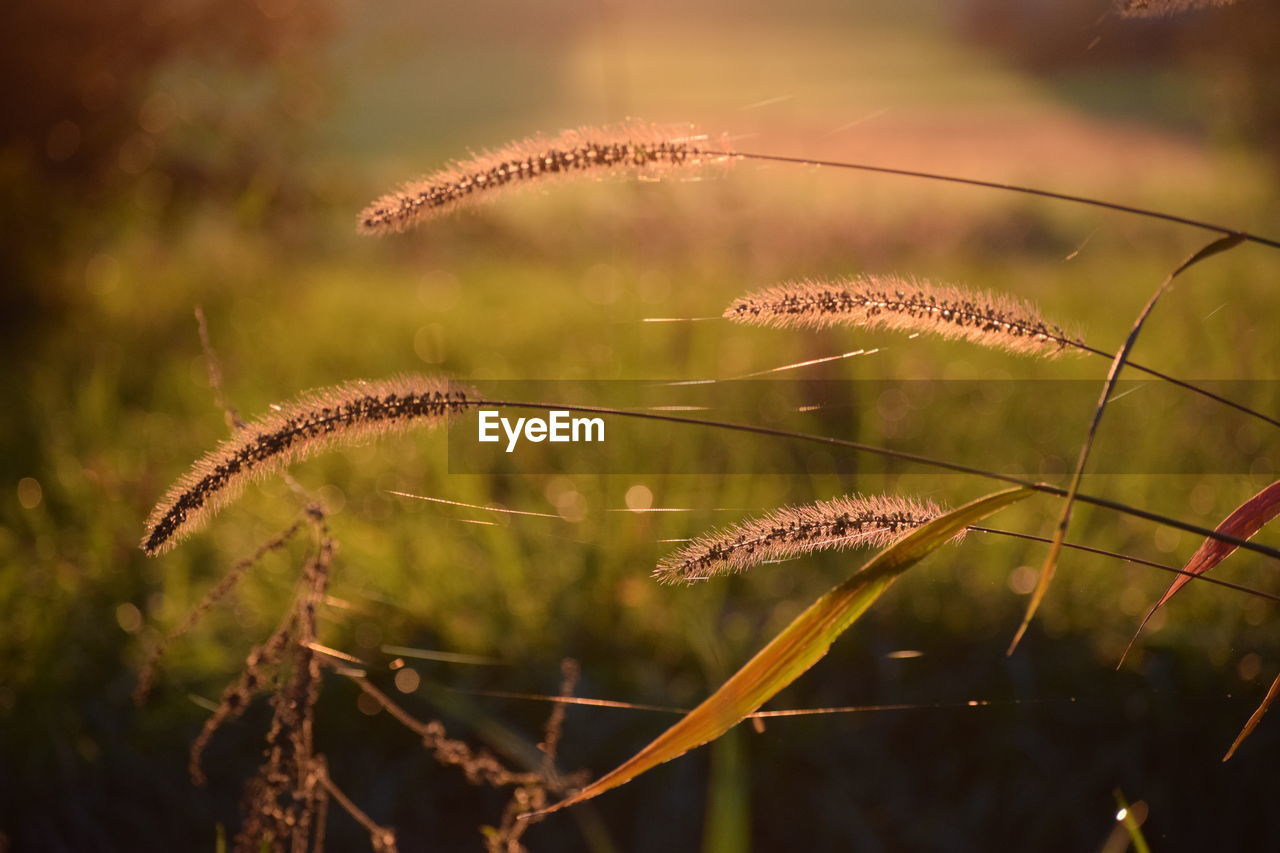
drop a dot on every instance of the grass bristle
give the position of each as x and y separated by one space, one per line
904 305
848 522
341 415
1162 8
635 147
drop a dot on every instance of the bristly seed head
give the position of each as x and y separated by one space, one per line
904 305
848 522
1161 8
634 146
343 414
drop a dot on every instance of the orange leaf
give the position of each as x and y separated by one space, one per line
793 651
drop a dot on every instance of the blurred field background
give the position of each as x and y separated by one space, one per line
156 156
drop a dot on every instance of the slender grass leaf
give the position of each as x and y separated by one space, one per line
1222 244
798 647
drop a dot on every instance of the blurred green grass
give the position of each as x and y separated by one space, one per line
112 405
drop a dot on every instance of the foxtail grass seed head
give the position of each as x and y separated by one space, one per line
631 147
341 415
904 305
1161 8
848 522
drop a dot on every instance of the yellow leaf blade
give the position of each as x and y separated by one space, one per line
798 647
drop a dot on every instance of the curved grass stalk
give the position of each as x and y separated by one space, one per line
1129 558
1222 244
902 455
1147 213
651 149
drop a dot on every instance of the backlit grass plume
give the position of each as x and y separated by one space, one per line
340 415
919 307
1160 8
635 147
846 522
903 305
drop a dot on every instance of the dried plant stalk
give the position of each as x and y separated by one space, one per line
341 415
381 838
904 305
481 767
1161 8
237 696
228 582
846 522
636 147
283 799
291 638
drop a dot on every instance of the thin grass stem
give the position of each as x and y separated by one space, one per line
1222 244
1129 558
942 464
910 305
1014 188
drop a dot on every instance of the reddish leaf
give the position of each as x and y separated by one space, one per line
1246 520
1222 244
1255 718
1243 523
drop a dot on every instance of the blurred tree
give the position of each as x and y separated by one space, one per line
1231 50
84 122
1239 44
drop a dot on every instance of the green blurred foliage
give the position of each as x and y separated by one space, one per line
109 402
120 108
